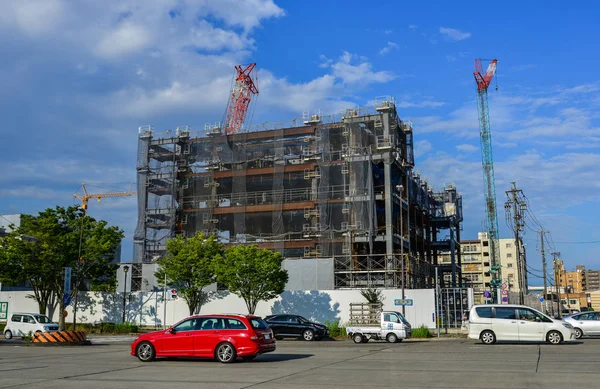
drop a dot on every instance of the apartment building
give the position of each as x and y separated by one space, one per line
476 264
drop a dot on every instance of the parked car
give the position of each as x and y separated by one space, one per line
370 321
22 323
222 337
585 324
504 322
295 326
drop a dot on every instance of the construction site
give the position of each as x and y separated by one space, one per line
340 191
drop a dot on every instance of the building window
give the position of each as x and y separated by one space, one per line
509 255
508 245
510 265
486 243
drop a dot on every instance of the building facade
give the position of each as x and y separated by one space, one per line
592 280
341 188
476 265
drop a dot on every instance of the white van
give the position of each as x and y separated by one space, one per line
515 323
23 323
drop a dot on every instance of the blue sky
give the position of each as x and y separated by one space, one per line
78 78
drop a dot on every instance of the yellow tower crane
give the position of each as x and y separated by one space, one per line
86 196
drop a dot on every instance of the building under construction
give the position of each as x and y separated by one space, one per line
339 189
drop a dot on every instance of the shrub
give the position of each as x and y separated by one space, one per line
335 330
421 332
125 328
27 338
2 326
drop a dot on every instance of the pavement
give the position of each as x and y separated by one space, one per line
433 363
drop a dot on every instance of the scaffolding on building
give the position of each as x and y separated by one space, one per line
339 186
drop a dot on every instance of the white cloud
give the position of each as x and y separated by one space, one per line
453 34
421 104
352 69
34 18
450 58
388 48
422 147
206 36
469 148
412 26
127 38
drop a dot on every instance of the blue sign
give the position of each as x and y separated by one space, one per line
66 299
67 280
487 294
407 302
504 299
541 299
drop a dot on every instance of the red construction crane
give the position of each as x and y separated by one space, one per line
240 98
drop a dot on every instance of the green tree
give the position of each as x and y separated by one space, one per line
253 274
188 266
373 295
40 249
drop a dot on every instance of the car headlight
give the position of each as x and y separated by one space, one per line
567 325
46 328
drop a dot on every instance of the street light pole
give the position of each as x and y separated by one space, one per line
125 269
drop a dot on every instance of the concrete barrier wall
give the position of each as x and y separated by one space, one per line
146 308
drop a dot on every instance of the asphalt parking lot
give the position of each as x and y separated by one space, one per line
436 363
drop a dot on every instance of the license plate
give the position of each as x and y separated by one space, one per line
267 336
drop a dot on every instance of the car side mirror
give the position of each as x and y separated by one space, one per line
171 330
537 319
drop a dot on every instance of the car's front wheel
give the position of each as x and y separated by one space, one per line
391 338
554 337
145 352
578 333
225 353
7 334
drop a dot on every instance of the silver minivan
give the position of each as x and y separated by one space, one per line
21 323
516 323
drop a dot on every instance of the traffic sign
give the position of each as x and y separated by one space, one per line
541 299
504 299
487 294
504 292
67 280
4 311
504 285
406 302
66 299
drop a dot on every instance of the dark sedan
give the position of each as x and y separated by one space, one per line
294 326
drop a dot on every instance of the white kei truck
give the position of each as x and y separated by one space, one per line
370 321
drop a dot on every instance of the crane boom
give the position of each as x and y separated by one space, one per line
240 98
483 82
86 196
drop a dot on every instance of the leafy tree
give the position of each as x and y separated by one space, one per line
253 274
188 266
373 295
40 249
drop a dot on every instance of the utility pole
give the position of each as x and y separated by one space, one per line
556 282
517 210
542 232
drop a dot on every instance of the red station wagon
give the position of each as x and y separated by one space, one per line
223 337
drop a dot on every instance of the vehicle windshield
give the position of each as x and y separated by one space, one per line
42 319
402 318
258 324
303 320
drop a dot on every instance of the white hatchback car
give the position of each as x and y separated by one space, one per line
515 323
23 323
